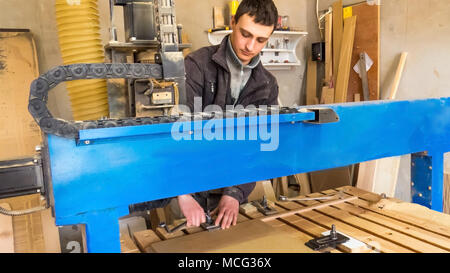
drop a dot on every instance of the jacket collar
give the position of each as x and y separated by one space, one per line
231 55
220 57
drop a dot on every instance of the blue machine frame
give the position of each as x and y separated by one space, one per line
95 178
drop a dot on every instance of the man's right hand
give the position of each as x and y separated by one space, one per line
191 210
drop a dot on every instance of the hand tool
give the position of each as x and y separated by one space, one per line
179 227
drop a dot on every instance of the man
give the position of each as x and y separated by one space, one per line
231 74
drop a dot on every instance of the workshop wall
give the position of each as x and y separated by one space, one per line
196 17
420 27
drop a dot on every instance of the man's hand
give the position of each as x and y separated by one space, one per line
191 210
228 210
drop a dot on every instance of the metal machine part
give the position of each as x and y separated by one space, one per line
21 177
209 224
101 159
139 19
332 240
174 229
154 98
72 238
264 207
171 68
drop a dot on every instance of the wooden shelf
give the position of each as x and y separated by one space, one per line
281 47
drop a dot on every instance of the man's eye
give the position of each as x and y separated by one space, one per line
246 35
261 41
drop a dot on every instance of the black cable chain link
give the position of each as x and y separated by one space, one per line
37 105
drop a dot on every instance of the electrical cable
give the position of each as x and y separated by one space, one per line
20 212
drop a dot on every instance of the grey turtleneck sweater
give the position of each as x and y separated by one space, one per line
239 73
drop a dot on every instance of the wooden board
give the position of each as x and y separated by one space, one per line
345 60
144 239
311 83
19 133
28 231
127 245
447 193
329 48
248 237
6 231
380 176
367 39
383 225
338 26
330 179
327 95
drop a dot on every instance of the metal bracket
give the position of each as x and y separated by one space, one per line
264 207
331 240
209 224
323 115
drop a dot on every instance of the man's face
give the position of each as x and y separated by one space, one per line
249 38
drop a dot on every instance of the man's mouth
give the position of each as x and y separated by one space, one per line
246 53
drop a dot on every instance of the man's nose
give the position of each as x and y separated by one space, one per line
250 45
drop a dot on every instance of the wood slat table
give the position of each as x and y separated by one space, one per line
383 225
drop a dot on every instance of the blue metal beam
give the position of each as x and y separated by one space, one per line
114 167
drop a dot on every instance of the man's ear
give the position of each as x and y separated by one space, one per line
233 22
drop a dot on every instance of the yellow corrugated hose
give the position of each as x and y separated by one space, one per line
79 40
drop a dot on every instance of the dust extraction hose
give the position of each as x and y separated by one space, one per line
79 40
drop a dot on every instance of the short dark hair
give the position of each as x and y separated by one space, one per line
264 11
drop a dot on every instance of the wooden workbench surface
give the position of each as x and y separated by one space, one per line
383 225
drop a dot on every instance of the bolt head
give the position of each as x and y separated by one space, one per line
87 142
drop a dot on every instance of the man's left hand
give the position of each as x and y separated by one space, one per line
227 210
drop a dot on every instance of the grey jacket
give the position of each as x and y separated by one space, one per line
208 77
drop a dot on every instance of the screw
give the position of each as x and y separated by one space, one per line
412 184
430 167
333 232
87 142
420 195
429 188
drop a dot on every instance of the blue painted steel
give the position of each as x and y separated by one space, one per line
126 165
428 171
421 170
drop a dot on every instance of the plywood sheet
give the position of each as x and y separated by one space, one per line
19 134
6 231
28 231
367 39
248 237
